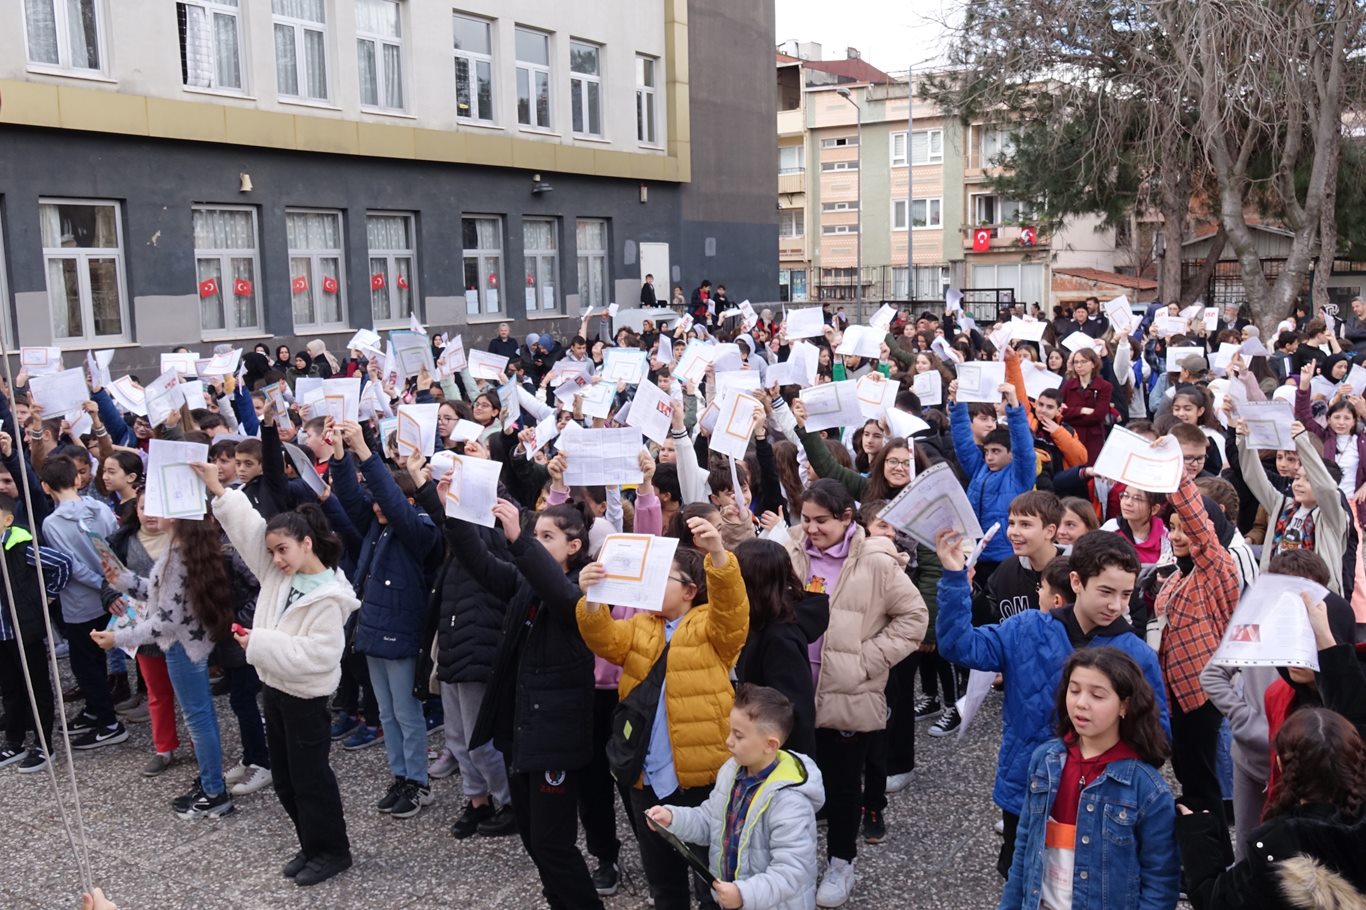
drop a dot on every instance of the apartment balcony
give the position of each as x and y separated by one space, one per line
1005 237
792 180
791 123
791 247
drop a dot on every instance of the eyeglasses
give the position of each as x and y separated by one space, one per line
1133 497
898 462
685 580
1193 459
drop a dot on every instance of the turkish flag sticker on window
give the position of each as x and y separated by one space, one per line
241 287
208 287
329 285
402 283
377 281
299 284
981 240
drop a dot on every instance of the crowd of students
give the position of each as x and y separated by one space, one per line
801 638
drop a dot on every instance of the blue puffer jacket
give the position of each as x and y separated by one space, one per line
1030 649
396 563
1126 855
991 492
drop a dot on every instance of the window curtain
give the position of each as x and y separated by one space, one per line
226 56
83 33
538 235
218 229
393 76
315 63
313 231
41 23
308 10
286 61
369 75
199 46
387 232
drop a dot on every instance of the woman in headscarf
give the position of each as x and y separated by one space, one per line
325 363
302 367
283 359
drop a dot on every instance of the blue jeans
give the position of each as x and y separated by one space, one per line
405 728
191 683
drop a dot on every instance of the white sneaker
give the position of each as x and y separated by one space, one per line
1000 827
837 884
235 774
898 782
255 778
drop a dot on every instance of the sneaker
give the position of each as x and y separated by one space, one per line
35 761
499 824
435 723
159 762
836 885
926 706
137 714
129 703
255 778
1000 827
344 726
295 865
320 869
949 721
874 827
386 804
12 754
363 738
467 822
98 738
606 879
411 798
220 686
898 782
62 649
81 723
444 766
198 804
235 774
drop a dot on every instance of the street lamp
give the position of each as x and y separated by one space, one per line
858 203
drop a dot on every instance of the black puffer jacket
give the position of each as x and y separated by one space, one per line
471 618
775 655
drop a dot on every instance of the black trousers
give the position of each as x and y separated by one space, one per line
1012 826
243 684
19 717
841 757
666 872
544 803
1195 750
936 675
297 731
892 750
355 694
90 666
598 789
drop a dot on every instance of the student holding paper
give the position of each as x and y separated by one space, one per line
1343 445
1086 401
888 472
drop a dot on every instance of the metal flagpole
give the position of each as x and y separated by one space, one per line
910 182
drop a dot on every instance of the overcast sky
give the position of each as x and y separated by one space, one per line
891 34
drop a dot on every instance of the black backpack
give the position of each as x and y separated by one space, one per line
632 720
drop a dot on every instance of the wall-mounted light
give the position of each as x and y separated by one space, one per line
244 185
644 194
539 186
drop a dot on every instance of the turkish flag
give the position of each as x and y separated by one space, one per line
329 285
493 279
376 281
1028 236
402 283
530 280
981 240
299 284
208 287
241 287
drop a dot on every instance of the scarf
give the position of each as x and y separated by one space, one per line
1306 533
154 542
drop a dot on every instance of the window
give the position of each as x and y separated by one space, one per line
483 244
840 142
210 44
392 267
995 144
839 206
791 285
646 68
930 283
591 238
83 255
791 158
927 147
839 165
791 223
316 284
990 209
301 48
839 229
64 34
379 48
925 213
473 69
228 268
540 249
585 88
1026 280
533 79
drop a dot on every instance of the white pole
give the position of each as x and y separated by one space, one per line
910 183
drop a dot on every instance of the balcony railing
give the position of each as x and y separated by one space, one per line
792 180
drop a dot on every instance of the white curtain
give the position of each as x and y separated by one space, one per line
199 70
387 232
83 33
369 76
315 62
229 66
41 22
220 229
313 231
538 235
309 10
286 61
393 76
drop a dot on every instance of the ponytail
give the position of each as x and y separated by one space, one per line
309 521
574 520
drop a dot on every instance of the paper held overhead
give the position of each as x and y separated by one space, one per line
832 404
980 380
807 322
929 388
1134 461
861 341
933 502
1270 627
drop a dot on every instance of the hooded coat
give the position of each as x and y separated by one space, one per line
775 656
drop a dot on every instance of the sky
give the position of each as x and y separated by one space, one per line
891 34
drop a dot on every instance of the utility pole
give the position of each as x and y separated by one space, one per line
858 202
910 182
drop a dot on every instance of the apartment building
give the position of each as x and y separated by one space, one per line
206 170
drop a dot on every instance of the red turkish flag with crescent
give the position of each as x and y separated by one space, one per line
299 284
329 285
208 287
402 283
1028 236
242 287
981 240
376 281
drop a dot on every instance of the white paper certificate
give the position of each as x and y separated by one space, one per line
610 457
486 366
1117 311
1176 355
1268 424
544 432
931 503
624 365
807 357
882 319
861 341
738 381
875 394
1130 459
452 358
416 429
174 490
651 412
59 393
413 351
1039 380
833 404
692 366
638 567
474 489
162 397
40 361
183 362
1270 627
340 401
734 424
980 380
808 322
597 399
928 387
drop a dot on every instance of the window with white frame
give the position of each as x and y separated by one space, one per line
791 223
647 69
591 239
992 209
379 51
839 165
83 255
540 251
585 88
839 229
1024 279
839 206
64 34
925 213
927 147
791 159
482 237
301 48
473 68
533 78
839 142
228 268
393 266
995 144
210 44
317 286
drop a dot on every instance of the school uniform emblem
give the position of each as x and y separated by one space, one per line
555 778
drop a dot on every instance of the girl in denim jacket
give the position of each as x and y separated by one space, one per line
1097 827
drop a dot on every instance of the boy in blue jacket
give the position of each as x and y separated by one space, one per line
1031 647
398 555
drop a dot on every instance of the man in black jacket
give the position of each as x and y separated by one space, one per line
647 293
504 345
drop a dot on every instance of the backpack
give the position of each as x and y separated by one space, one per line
632 720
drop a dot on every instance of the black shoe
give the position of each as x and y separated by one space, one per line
35 761
220 686
606 879
467 822
410 800
500 824
874 827
81 723
391 795
320 869
118 687
96 738
11 754
198 804
926 706
948 722
295 865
